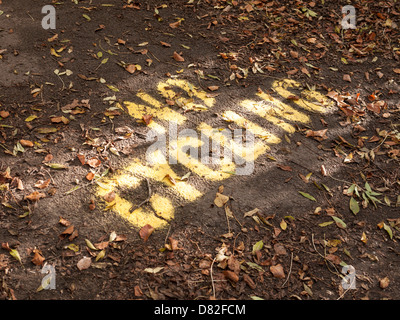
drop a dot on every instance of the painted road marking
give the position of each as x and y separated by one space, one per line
185 147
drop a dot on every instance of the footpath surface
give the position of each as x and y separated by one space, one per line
199 150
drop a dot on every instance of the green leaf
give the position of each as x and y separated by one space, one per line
56 166
255 266
350 190
388 230
308 196
339 222
258 246
324 224
354 207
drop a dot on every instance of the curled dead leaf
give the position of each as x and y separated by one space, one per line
277 271
178 57
35 196
145 232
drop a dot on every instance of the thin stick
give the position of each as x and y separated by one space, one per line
290 271
212 280
145 201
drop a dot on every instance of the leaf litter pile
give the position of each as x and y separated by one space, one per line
55 147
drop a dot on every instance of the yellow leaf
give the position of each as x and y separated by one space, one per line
14 253
54 53
364 237
283 224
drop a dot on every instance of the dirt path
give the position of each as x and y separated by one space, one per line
206 150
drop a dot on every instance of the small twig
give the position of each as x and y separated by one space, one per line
211 274
166 237
52 181
145 201
290 271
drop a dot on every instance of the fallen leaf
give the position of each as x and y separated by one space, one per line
90 176
213 88
42 184
230 275
145 232
26 143
277 271
147 119
354 207
220 200
4 114
35 196
153 270
308 196
165 44
346 77
131 68
93 162
317 135
384 283
84 263
258 246
109 197
38 259
284 168
178 57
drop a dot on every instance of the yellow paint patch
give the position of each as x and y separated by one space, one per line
165 89
258 131
186 149
277 108
159 171
257 107
321 105
241 150
157 110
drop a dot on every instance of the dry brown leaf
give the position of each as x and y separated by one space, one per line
145 232
42 184
48 158
93 162
346 77
213 88
277 271
109 197
178 57
284 168
165 44
131 68
230 275
90 176
38 259
81 158
384 283
147 118
84 263
176 24
35 196
26 143
220 200
317 135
